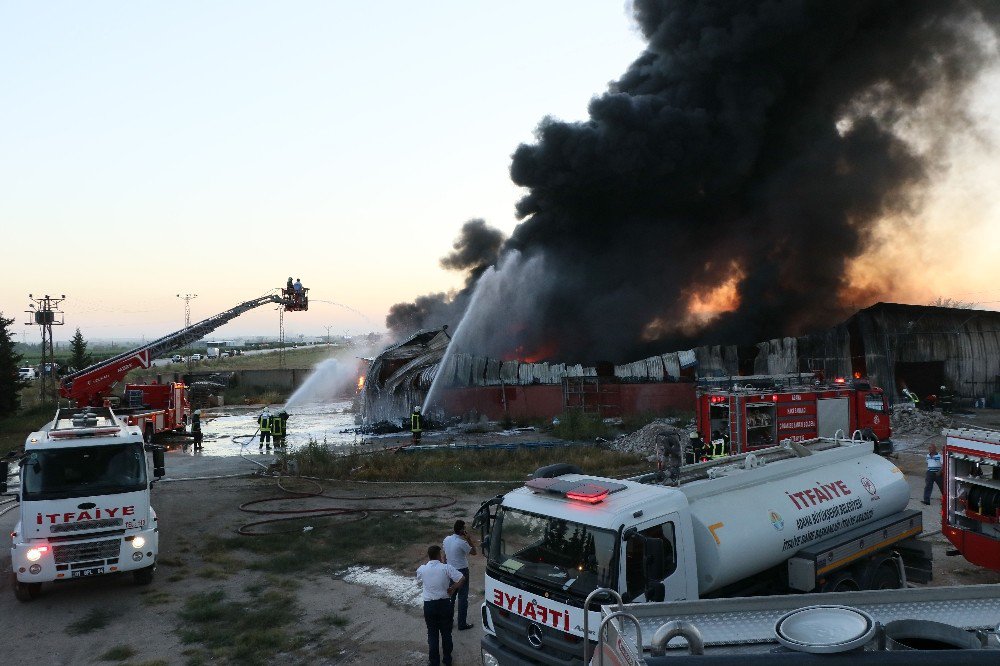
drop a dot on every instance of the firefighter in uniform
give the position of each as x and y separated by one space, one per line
719 447
696 447
279 428
196 429
415 428
264 420
945 399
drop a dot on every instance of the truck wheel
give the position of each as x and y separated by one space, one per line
27 591
842 582
144 576
886 577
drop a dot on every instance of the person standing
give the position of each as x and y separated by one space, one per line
457 548
415 425
440 581
279 428
264 420
933 473
196 429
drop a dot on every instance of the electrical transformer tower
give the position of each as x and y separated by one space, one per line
45 313
187 307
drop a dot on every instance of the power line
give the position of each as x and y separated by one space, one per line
45 313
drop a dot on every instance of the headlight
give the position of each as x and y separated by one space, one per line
35 554
490 660
136 556
35 568
138 542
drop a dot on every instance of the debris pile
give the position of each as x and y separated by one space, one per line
645 440
907 421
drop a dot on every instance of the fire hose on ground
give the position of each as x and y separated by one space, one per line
341 506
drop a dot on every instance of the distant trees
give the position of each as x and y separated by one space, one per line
79 358
10 381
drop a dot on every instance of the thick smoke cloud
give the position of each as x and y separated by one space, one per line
476 249
754 146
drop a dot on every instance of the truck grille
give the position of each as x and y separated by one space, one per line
103 523
85 552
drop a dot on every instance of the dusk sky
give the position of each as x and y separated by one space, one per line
217 148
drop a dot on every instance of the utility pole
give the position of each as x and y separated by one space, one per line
328 333
187 307
45 313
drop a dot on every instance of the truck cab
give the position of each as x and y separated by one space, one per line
786 519
84 502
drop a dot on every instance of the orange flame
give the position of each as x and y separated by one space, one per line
361 383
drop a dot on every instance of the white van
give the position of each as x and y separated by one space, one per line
27 373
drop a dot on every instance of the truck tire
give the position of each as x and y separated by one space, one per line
26 591
885 577
144 576
843 581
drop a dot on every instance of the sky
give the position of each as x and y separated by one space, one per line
217 148
155 149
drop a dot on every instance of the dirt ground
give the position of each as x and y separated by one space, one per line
378 629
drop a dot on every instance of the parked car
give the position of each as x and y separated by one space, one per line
196 357
177 358
27 373
224 354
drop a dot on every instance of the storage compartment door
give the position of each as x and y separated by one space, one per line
833 414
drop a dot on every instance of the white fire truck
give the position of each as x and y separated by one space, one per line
84 502
748 416
971 517
826 516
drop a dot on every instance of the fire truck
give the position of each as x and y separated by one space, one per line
751 416
158 408
971 512
84 502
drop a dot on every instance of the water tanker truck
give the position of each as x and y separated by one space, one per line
820 516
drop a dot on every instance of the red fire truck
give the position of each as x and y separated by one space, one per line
157 408
971 513
749 415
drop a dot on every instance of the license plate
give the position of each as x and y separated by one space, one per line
80 573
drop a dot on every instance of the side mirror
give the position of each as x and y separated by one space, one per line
4 471
654 566
159 465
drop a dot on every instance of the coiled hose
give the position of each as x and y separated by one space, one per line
352 511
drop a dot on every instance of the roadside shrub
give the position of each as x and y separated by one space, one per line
579 426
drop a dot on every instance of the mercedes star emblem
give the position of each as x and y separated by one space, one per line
535 635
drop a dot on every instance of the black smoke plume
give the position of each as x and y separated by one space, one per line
754 143
476 249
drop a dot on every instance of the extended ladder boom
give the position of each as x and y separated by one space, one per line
90 385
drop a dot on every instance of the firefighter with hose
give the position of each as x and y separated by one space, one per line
265 422
196 429
279 428
415 425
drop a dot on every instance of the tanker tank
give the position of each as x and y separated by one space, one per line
752 520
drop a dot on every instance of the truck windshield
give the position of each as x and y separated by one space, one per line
554 552
85 470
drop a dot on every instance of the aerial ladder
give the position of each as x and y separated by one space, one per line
156 408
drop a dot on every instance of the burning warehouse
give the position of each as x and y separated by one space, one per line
892 344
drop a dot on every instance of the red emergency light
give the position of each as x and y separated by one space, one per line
839 380
590 491
717 398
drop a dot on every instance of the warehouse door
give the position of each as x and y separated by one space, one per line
833 414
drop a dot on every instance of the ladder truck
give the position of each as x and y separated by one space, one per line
158 408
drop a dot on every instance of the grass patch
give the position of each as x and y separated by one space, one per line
119 653
315 459
334 620
248 632
575 425
155 597
211 573
96 618
14 430
176 578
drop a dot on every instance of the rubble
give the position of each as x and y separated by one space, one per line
644 440
908 421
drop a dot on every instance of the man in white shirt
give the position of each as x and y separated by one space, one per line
439 581
933 473
457 548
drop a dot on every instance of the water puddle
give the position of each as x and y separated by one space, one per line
385 583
